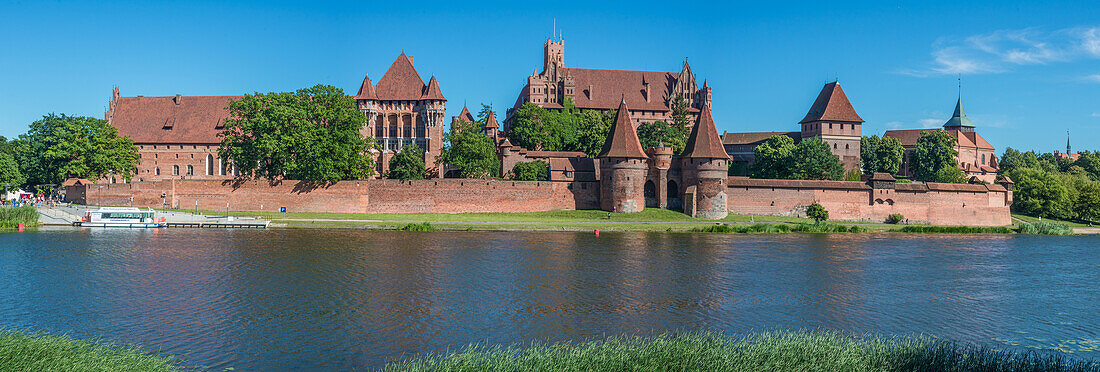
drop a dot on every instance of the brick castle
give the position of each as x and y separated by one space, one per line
177 138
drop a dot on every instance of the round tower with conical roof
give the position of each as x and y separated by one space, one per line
623 167
705 166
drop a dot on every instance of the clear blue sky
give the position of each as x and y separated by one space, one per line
1030 69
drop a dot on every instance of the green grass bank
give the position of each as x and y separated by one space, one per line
45 353
11 217
768 351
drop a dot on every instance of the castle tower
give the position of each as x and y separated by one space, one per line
705 165
958 120
622 166
657 186
833 120
553 58
368 103
492 129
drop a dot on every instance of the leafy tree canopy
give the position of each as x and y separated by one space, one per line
935 151
880 154
813 160
58 147
772 158
9 171
817 212
312 134
407 164
568 129
531 171
468 149
660 132
1039 193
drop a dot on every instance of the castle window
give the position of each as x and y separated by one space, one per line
209 165
834 146
983 159
190 170
175 170
846 147
156 171
830 125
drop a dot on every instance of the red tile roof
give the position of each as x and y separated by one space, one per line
909 137
366 91
464 115
832 105
704 141
756 182
622 139
490 121
611 86
432 91
401 81
755 138
195 119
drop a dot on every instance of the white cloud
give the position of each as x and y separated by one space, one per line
1001 51
931 123
1093 78
1096 114
894 125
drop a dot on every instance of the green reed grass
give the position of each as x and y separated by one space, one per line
11 217
1044 228
773 228
956 229
421 226
827 228
768 351
40 352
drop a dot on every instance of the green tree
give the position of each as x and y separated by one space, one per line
949 175
772 158
813 160
888 155
312 134
1039 193
9 171
568 129
1013 159
935 151
661 132
1090 162
468 149
868 153
407 164
680 113
817 212
531 171
1088 202
58 147
594 125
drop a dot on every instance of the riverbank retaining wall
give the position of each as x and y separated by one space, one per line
366 196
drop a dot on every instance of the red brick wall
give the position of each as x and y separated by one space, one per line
369 196
972 208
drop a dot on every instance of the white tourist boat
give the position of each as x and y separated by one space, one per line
122 217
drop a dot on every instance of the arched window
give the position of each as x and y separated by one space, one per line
673 190
649 191
175 170
983 159
190 170
223 167
846 147
209 165
156 171
834 146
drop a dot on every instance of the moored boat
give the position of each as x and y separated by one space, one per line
122 217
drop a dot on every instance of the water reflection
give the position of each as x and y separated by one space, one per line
311 299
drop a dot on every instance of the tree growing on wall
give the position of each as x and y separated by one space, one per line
817 212
58 147
935 151
468 149
661 132
536 170
407 164
312 134
880 154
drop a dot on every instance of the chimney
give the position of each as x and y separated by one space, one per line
646 91
590 92
177 99
410 59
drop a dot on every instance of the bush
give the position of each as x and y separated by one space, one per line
422 226
826 228
767 351
11 217
895 218
852 175
817 212
1045 228
956 229
759 228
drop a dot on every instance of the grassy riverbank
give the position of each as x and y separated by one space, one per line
769 351
11 217
40 352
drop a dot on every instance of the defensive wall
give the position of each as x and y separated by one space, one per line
366 196
874 200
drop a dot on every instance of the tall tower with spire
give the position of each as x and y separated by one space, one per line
623 166
704 165
958 120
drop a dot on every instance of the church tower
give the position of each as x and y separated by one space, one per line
833 120
623 166
958 120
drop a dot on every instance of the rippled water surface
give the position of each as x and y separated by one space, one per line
347 299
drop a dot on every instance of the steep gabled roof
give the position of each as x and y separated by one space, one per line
401 81
958 119
832 105
622 139
491 120
183 119
366 91
606 84
704 141
755 138
465 115
432 91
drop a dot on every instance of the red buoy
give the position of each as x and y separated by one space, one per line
21 229
597 232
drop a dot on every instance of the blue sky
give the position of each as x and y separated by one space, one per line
1030 70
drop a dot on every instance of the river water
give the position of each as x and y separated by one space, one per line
351 299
